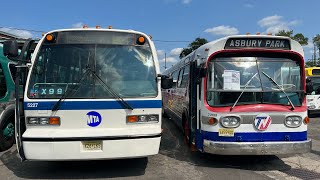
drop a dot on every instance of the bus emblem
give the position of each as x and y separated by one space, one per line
94 118
262 122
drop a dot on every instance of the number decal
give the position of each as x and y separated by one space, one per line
32 104
51 91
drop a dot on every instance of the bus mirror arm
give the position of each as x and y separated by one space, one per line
202 71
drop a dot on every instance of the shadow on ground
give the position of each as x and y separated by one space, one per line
71 169
172 145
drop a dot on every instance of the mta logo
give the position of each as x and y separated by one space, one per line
262 122
93 118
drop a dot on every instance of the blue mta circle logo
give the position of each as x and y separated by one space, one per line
94 118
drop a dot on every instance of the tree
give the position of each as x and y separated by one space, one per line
316 42
298 37
193 46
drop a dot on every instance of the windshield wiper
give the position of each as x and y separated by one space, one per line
292 106
69 92
245 86
112 92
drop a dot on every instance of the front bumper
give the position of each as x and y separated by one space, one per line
73 150
256 148
313 111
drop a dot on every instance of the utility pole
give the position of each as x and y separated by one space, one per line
314 54
165 60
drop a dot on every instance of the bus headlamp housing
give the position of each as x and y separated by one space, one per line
43 120
143 118
230 121
293 121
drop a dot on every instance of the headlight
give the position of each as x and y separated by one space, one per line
230 121
293 121
312 107
142 118
43 120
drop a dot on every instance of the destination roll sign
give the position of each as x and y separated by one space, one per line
263 43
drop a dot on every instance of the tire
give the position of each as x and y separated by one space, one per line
7 133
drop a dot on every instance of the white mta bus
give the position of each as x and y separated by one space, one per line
241 95
90 94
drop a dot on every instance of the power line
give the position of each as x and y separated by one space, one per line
157 40
22 29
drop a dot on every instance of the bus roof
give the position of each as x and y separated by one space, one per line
209 48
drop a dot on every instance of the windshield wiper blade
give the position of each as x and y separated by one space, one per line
112 92
68 92
292 106
245 86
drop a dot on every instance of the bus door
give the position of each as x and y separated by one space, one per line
193 96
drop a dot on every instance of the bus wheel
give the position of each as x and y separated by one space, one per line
6 134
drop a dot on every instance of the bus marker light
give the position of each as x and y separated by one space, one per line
85 26
109 27
141 40
54 120
212 121
306 120
132 119
49 37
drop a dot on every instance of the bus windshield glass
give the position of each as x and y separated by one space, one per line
77 66
315 84
260 78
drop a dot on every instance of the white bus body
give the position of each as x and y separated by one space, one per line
92 94
231 96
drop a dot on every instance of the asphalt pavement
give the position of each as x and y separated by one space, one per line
174 161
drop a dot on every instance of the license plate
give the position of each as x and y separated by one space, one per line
226 132
92 145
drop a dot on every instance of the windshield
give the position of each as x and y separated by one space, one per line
228 76
315 84
127 69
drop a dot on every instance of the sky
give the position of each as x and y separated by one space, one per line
173 24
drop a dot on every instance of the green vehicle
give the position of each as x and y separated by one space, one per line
7 100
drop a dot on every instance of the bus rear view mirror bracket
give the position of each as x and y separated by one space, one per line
202 72
166 82
10 49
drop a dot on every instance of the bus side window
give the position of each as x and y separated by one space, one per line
3 85
175 78
185 77
180 77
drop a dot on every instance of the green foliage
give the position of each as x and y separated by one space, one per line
316 40
298 37
193 46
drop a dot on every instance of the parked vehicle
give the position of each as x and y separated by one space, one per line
241 95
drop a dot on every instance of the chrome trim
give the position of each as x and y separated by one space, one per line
257 148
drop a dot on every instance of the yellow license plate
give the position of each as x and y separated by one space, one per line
92 145
226 132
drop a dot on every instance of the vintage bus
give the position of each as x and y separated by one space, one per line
90 94
241 95
313 98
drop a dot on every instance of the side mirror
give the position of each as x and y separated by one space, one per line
10 49
166 82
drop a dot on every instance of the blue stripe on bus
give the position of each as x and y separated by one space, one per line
88 105
256 137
